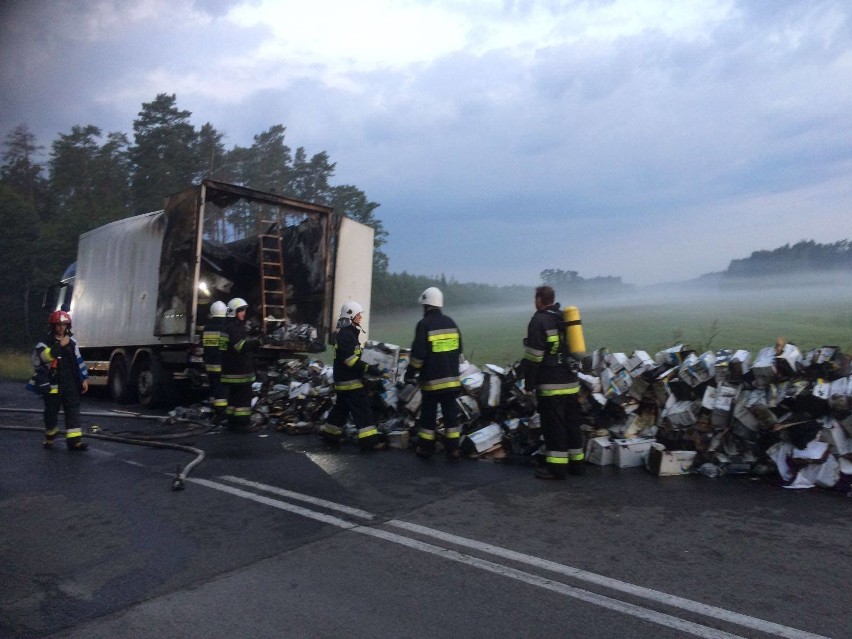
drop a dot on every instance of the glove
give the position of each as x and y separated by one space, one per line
410 375
374 370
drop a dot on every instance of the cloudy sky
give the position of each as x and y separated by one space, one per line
645 139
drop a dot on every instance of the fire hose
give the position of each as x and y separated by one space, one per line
178 483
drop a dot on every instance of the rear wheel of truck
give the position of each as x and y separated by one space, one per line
153 381
118 379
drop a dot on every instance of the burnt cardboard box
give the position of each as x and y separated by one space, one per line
668 463
681 414
383 355
763 368
698 369
738 366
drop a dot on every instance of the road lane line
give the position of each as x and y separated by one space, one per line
705 632
614 584
355 512
576 573
281 505
629 609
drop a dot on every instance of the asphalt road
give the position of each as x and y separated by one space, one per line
274 536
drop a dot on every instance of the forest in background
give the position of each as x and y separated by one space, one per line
91 178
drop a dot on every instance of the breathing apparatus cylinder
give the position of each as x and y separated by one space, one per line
574 331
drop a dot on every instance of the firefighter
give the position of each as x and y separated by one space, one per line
213 342
350 394
556 389
238 366
61 376
435 355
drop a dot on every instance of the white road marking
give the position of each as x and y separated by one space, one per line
614 584
577 593
355 512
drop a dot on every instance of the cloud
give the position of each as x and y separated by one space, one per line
620 137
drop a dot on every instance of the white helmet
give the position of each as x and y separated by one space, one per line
432 296
350 310
218 309
235 305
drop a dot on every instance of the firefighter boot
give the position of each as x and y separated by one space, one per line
48 442
331 435
77 444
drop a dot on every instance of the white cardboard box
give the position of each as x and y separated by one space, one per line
628 453
667 463
599 451
486 438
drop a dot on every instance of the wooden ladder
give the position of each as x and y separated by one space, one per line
272 293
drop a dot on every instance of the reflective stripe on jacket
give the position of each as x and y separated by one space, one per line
436 350
542 371
349 368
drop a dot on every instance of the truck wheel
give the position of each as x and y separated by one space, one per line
152 382
118 380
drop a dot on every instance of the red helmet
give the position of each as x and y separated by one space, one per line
59 317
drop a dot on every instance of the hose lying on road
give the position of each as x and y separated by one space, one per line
179 481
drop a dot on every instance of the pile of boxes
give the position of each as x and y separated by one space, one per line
718 412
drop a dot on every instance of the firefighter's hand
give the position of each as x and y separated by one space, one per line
374 370
410 375
85 386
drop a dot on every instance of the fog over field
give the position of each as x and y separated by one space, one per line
809 311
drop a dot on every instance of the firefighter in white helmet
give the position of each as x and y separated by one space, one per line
238 366
214 346
435 355
350 394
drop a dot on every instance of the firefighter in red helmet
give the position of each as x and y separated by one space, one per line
61 376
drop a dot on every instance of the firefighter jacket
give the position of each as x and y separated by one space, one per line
544 370
214 344
238 353
55 365
435 351
349 368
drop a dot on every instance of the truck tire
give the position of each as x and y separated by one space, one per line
153 381
120 387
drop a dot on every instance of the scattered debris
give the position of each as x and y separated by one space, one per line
781 413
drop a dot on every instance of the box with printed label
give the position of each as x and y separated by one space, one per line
667 463
599 451
627 453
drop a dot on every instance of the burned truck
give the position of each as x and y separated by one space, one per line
140 291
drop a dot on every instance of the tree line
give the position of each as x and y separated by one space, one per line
802 257
91 178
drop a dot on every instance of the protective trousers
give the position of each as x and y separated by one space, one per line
66 397
429 419
239 406
560 425
357 403
219 393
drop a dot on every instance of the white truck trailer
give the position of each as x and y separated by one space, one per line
140 291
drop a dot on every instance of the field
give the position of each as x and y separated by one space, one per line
748 320
808 317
